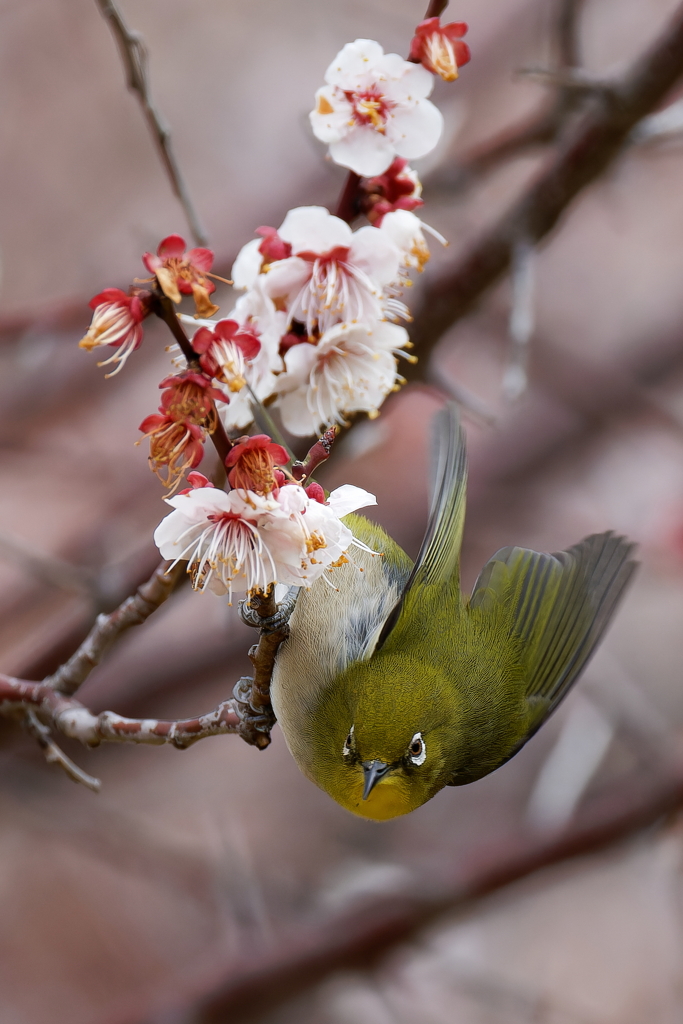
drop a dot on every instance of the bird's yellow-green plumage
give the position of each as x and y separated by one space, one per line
395 684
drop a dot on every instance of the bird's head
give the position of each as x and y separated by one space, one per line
381 748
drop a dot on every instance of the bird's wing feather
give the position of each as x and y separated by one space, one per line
559 607
438 561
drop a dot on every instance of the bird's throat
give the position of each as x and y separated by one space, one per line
389 799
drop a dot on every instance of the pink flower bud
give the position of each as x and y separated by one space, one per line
273 248
398 188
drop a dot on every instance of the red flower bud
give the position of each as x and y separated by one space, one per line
315 491
273 248
440 49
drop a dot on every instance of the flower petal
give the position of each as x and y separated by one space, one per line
247 266
372 253
314 229
415 131
364 150
347 498
172 245
331 114
353 62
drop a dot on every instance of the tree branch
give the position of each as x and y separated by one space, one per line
74 720
594 143
135 59
540 128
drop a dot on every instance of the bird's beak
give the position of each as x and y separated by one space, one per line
373 771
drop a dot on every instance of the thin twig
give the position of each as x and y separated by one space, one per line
594 143
135 59
55 755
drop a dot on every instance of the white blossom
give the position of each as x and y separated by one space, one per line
374 107
241 541
351 369
334 274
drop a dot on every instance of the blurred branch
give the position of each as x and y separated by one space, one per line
109 628
362 937
135 57
542 127
593 144
47 568
515 378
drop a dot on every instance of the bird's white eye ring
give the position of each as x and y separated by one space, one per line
417 749
346 749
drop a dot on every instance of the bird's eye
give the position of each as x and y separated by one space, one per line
348 742
417 749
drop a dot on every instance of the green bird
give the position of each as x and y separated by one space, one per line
394 684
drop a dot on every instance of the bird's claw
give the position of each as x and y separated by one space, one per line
255 723
271 623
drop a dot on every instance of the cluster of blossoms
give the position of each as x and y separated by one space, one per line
315 334
266 530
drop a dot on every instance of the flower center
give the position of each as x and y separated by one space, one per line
370 108
442 57
254 472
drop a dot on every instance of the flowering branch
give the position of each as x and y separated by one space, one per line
163 307
594 143
135 59
315 331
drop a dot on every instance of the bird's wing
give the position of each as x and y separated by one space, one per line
438 561
559 606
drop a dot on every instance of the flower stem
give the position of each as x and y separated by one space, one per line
347 207
165 310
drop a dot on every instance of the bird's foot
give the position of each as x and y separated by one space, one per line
250 612
255 723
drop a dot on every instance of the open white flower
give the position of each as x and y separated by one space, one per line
334 274
374 107
241 541
352 369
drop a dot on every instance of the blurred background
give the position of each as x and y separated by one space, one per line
218 884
